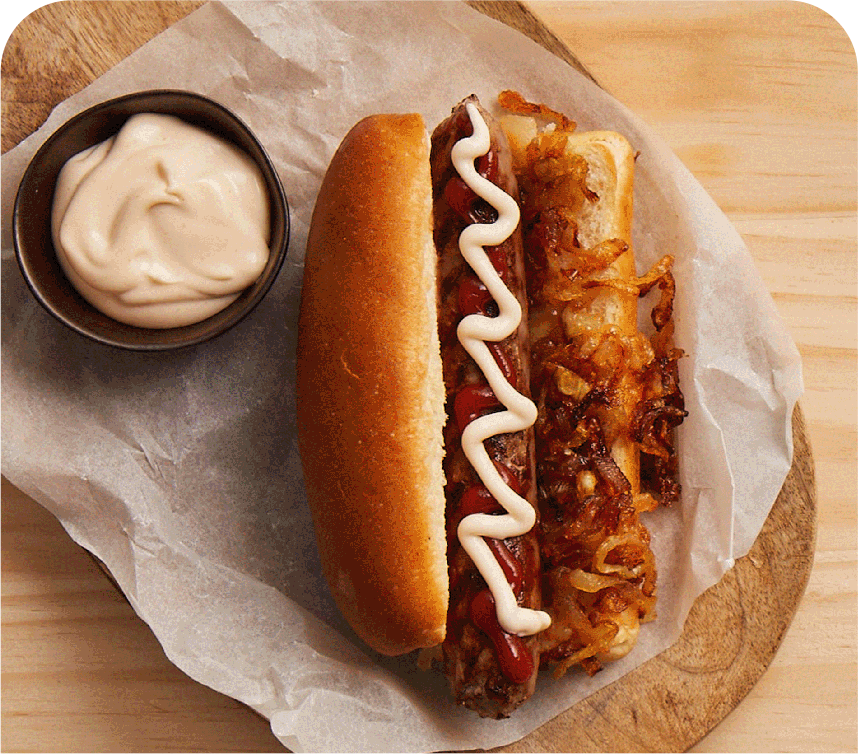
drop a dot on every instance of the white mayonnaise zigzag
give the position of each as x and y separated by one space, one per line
519 412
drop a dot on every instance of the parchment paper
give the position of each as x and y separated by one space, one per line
180 470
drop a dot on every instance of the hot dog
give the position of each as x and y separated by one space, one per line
480 421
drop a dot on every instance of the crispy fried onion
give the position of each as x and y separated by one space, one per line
660 411
515 103
659 274
596 618
600 574
600 571
661 408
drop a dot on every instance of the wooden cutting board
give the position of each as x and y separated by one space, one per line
734 629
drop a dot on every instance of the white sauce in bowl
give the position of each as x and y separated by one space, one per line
162 225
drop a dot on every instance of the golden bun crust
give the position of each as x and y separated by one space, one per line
370 390
613 309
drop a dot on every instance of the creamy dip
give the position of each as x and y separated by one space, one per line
162 225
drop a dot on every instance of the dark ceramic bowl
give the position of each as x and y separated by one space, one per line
32 219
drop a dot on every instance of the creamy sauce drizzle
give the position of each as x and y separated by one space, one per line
520 412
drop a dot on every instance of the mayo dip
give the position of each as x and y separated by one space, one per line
162 225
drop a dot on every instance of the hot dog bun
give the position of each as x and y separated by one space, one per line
371 397
370 390
369 386
610 176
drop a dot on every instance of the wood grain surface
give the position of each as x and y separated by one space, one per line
738 90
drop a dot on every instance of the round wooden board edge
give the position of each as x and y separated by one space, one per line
730 637
517 15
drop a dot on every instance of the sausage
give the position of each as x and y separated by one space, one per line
490 670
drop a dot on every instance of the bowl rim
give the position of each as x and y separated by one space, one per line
278 248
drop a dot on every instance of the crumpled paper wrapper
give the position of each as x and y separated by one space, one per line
180 471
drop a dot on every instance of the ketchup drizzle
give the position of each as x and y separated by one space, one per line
477 499
513 657
474 297
511 567
503 361
472 401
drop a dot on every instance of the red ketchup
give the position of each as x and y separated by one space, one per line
497 256
474 297
504 363
459 196
487 165
463 200
514 659
463 195
472 401
509 565
477 499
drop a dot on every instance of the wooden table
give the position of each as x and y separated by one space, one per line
759 100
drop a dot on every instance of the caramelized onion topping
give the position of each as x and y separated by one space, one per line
600 576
